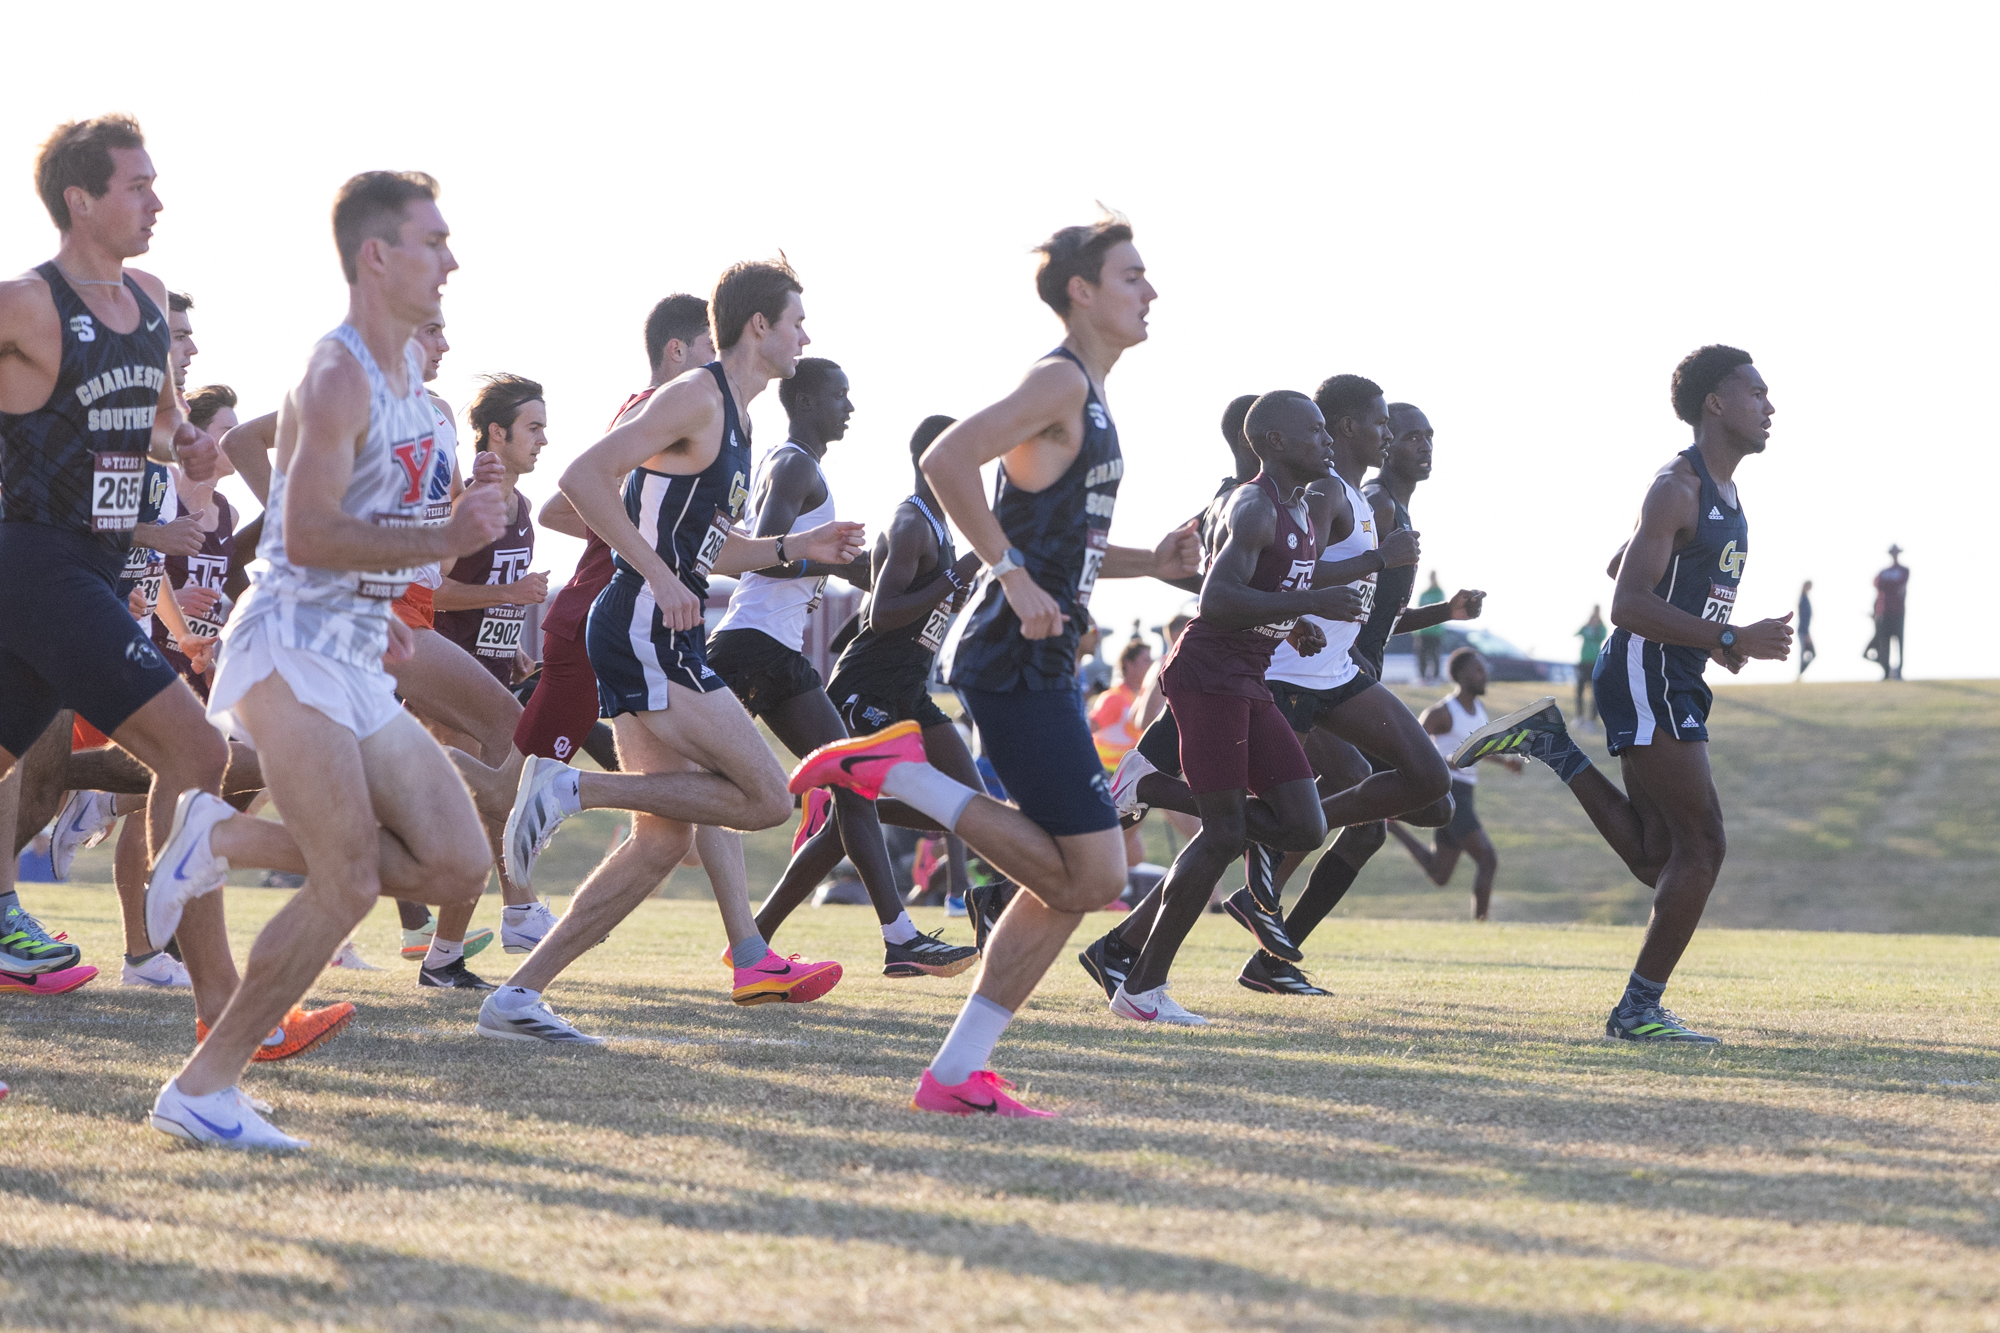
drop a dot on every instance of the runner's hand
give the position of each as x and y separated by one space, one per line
182 537
402 642
197 602
1340 602
965 571
1400 548
1178 556
1041 615
200 457
834 543
530 591
200 653
1767 640
1722 657
1308 638
679 608
1467 603
487 467
135 602
478 517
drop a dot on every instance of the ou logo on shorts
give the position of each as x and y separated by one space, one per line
563 747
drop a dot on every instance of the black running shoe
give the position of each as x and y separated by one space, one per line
453 976
1655 1024
1275 976
927 956
1536 731
1108 960
1267 926
984 903
1260 876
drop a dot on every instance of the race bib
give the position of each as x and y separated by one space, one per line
149 588
1366 587
1299 576
500 632
1096 540
939 622
386 585
1721 601
116 483
711 543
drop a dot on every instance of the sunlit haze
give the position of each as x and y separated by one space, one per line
1518 219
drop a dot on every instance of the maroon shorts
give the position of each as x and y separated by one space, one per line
563 708
1233 743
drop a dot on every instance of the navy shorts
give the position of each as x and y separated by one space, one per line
1040 745
66 638
635 657
1643 696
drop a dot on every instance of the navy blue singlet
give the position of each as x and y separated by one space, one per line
686 518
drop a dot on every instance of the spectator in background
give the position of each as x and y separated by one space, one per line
1592 634
1431 638
1093 673
1891 585
1806 650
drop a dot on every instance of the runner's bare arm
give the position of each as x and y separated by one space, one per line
1178 556
1435 720
531 590
912 545
1666 520
1465 604
834 543
792 487
321 425
1229 602
559 515
249 448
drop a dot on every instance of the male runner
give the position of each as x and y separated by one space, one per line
757 650
917 582
1449 721
370 799
1677 581
691 754
1013 655
1807 650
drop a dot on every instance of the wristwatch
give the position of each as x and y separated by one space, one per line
1727 639
1008 563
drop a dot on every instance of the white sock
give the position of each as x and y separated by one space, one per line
568 788
928 792
969 1048
443 953
900 931
516 997
519 911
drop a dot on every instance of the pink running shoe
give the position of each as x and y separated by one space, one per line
48 983
930 855
859 763
982 1094
793 980
819 804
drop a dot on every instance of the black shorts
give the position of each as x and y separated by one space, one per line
763 672
1161 743
66 638
868 706
1304 707
1464 819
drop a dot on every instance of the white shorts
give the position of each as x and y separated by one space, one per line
362 700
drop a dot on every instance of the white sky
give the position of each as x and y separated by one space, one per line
1518 218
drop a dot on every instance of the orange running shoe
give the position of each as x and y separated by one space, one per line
859 763
818 805
793 980
303 1030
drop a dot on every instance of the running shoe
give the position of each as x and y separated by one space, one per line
528 1022
350 957
987 902
1108 960
1535 731
954 906
930 855
1275 976
225 1119
417 943
533 821
1260 876
520 932
84 821
1656 1024
812 817
162 971
47 983
984 1093
1154 1006
792 979
187 868
1125 785
27 950
453 976
1267 926
303 1030
859 763
927 956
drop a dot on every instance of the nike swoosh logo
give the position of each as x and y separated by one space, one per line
180 871
1148 1016
77 827
783 969
149 328
847 765
988 1107
234 1131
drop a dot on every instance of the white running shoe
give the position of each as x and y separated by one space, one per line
225 1119
187 868
350 957
536 814
528 1022
1153 1006
1125 783
84 820
522 936
162 971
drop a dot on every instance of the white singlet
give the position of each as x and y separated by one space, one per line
325 630
779 607
437 489
1334 666
1463 723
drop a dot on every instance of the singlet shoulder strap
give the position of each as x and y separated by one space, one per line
350 338
721 382
60 291
1089 386
937 527
139 294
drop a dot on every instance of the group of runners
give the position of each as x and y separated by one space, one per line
350 652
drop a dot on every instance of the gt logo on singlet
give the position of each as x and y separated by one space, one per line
414 457
1732 560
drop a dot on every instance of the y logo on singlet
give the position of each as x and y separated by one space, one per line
414 457
1732 559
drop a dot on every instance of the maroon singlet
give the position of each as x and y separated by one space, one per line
492 634
1207 660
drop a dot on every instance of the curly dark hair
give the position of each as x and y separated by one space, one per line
1698 374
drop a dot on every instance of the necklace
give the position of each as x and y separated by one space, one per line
75 281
